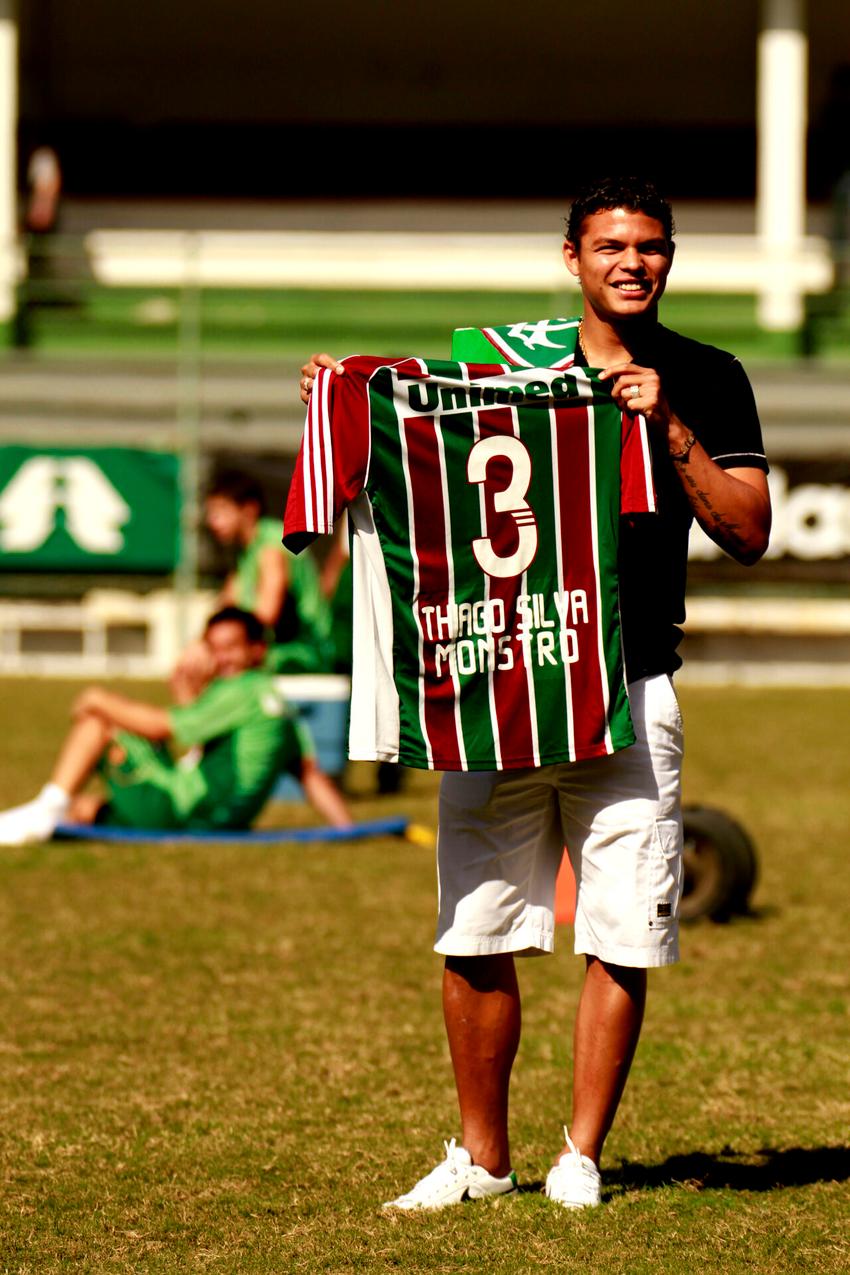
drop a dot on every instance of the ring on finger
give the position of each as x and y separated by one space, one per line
633 391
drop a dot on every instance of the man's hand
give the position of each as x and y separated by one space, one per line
638 389
309 370
731 505
195 668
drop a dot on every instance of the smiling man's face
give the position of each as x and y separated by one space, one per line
232 649
622 259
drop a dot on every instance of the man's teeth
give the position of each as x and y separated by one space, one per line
630 287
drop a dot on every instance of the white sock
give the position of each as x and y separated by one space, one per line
54 798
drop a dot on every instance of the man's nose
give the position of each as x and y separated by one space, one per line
631 259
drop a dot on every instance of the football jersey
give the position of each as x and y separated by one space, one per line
485 506
545 343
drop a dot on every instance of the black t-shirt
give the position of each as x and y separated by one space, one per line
709 391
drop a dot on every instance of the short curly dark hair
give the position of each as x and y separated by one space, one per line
237 486
635 193
254 630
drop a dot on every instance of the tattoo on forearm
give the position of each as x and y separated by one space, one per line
727 531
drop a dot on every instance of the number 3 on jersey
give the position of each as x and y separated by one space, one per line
510 500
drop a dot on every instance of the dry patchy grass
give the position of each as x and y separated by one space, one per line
224 1058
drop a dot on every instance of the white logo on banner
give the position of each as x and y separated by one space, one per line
534 334
810 521
94 511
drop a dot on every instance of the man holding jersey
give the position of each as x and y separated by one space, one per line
502 832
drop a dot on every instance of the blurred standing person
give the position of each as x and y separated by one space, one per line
283 591
41 223
44 182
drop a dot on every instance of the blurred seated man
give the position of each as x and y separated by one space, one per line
282 590
240 723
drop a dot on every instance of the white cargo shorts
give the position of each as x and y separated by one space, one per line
502 835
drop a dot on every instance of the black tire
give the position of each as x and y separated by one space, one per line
720 865
747 863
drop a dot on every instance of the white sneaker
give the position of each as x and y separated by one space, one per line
22 825
574 1181
456 1179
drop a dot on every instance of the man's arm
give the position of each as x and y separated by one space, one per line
323 795
121 713
271 585
227 592
731 505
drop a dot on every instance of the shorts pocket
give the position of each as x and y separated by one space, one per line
665 875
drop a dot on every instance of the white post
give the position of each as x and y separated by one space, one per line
781 177
8 165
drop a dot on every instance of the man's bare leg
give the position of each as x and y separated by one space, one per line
481 1006
36 820
607 1028
83 747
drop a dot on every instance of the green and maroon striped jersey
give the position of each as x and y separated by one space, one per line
544 343
485 505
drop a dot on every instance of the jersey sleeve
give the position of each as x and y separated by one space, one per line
334 455
222 707
734 439
637 489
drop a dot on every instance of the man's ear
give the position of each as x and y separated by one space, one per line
571 258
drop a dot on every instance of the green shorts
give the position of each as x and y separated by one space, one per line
148 789
144 790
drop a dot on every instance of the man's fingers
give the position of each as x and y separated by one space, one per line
624 387
316 361
619 369
309 370
634 385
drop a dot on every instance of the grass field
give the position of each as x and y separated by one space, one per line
223 1059
277 323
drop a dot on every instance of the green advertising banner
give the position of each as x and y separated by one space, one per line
88 509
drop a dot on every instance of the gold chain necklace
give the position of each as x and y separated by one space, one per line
581 344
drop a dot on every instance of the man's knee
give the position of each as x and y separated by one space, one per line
482 973
631 978
82 713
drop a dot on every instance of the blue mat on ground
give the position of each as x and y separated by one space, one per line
395 827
